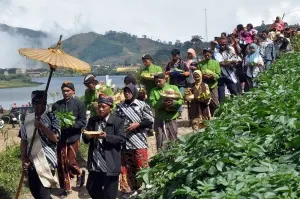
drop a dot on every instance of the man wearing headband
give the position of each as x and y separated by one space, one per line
228 62
41 163
179 73
70 138
92 92
166 110
138 119
104 156
149 69
211 74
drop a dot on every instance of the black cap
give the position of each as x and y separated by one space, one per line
129 79
175 52
37 97
69 85
105 99
159 76
207 50
147 56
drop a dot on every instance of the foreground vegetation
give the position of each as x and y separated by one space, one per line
250 151
10 172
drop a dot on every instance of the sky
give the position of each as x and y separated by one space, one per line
167 20
160 19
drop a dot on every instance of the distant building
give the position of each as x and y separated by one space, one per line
21 71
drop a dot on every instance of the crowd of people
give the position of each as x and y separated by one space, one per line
116 128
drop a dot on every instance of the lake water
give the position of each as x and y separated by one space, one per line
23 95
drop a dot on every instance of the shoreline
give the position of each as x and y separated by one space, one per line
18 84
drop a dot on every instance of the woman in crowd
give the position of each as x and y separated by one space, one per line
250 34
278 25
191 63
199 106
138 119
254 64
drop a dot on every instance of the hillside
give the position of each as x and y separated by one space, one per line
112 48
34 34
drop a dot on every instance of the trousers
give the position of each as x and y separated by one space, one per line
36 187
99 185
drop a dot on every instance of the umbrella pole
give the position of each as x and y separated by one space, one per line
38 115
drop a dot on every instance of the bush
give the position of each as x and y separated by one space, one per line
10 172
250 151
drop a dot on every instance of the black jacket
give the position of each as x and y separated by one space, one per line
72 134
112 144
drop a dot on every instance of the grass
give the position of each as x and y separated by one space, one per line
17 84
10 172
82 154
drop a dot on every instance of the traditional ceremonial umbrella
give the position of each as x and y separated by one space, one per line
55 57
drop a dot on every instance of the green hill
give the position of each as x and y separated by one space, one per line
112 48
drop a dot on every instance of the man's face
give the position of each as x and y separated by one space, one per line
207 55
128 94
103 110
147 62
264 35
39 108
223 46
190 56
175 58
67 93
160 83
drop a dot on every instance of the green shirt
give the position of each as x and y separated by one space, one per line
91 96
150 84
214 66
156 103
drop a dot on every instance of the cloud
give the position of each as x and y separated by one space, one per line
167 20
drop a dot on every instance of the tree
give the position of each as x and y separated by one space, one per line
196 39
197 43
144 36
178 44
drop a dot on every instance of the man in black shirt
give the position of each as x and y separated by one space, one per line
104 158
178 72
70 139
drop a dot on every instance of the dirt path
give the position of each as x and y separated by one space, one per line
82 192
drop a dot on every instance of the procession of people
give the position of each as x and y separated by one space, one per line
116 127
